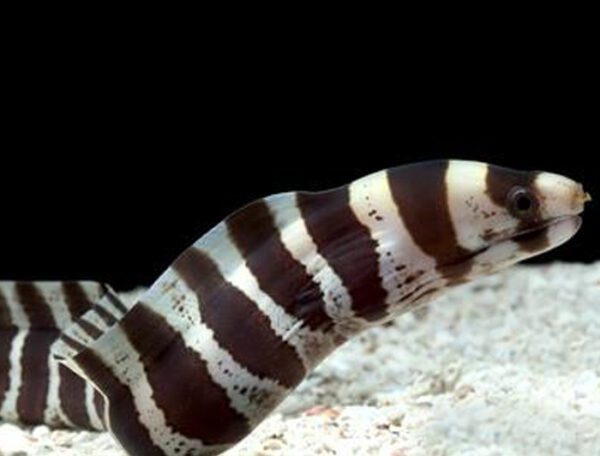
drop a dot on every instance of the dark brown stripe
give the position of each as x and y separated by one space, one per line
35 373
123 415
499 183
76 299
75 345
34 305
7 334
348 248
236 320
89 328
114 300
279 275
108 318
31 401
71 393
5 319
533 241
194 404
421 196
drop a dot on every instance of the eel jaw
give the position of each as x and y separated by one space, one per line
531 241
506 249
548 235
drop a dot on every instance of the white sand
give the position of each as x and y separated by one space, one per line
509 365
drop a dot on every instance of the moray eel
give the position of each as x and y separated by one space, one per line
243 315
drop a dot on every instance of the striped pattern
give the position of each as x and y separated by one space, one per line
243 315
34 388
348 248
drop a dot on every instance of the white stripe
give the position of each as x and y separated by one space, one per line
75 332
9 406
471 209
54 415
107 304
17 314
52 294
311 346
90 407
150 415
399 257
298 241
93 290
562 196
497 257
8 409
99 296
198 337
92 318
179 306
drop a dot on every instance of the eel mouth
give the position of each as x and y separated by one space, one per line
545 235
505 248
532 231
542 228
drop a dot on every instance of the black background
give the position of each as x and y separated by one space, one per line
123 217
112 165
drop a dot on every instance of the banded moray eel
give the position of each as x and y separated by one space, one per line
242 316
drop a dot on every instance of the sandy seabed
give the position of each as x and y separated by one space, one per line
508 365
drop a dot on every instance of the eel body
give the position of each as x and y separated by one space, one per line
244 314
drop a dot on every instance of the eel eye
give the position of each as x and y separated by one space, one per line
521 202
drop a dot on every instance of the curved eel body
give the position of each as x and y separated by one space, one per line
243 315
